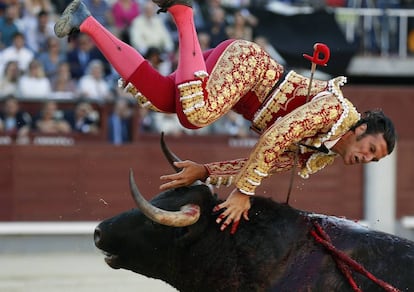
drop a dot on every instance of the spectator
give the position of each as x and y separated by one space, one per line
242 25
336 3
146 120
270 49
119 123
60 5
51 120
409 4
9 80
17 52
33 7
92 85
52 57
235 3
232 124
8 26
100 10
217 27
149 30
123 13
207 7
3 7
63 85
167 123
410 42
205 40
14 121
199 20
80 56
34 84
84 119
156 60
38 34
30 11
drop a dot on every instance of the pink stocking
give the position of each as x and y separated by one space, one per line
132 66
190 55
123 57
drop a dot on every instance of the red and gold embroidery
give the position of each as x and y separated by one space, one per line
140 98
222 173
243 67
318 116
319 160
293 89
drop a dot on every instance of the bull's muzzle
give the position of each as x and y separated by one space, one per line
97 236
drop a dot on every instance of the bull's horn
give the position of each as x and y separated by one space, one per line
171 157
188 214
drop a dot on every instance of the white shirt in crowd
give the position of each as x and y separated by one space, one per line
34 87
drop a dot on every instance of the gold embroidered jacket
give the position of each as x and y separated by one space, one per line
325 118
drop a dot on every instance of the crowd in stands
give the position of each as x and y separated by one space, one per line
37 66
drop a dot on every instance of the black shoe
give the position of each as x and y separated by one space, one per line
165 4
71 18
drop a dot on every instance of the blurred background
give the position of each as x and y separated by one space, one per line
69 135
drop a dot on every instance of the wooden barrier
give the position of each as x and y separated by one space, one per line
88 179
90 182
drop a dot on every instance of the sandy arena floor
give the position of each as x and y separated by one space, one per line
76 272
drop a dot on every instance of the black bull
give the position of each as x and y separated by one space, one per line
273 251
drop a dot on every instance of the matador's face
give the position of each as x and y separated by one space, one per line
362 148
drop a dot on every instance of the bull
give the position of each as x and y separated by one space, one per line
175 238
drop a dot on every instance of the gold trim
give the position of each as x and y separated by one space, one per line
139 97
292 87
242 67
318 116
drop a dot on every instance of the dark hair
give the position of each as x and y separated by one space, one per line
42 13
378 123
10 97
18 34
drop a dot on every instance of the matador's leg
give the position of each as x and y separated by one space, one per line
132 67
235 67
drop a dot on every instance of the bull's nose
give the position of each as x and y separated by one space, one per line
97 236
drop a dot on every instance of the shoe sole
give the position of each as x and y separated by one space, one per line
63 26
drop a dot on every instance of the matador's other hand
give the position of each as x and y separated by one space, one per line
190 172
237 205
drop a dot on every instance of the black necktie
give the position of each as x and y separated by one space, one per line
322 148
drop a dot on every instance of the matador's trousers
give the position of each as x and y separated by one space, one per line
236 74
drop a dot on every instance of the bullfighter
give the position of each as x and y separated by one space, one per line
296 129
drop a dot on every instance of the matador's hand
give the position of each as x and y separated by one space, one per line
190 172
237 204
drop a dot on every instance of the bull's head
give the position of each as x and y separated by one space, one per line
156 231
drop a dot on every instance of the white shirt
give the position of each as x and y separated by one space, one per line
150 32
330 144
92 88
23 57
31 87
